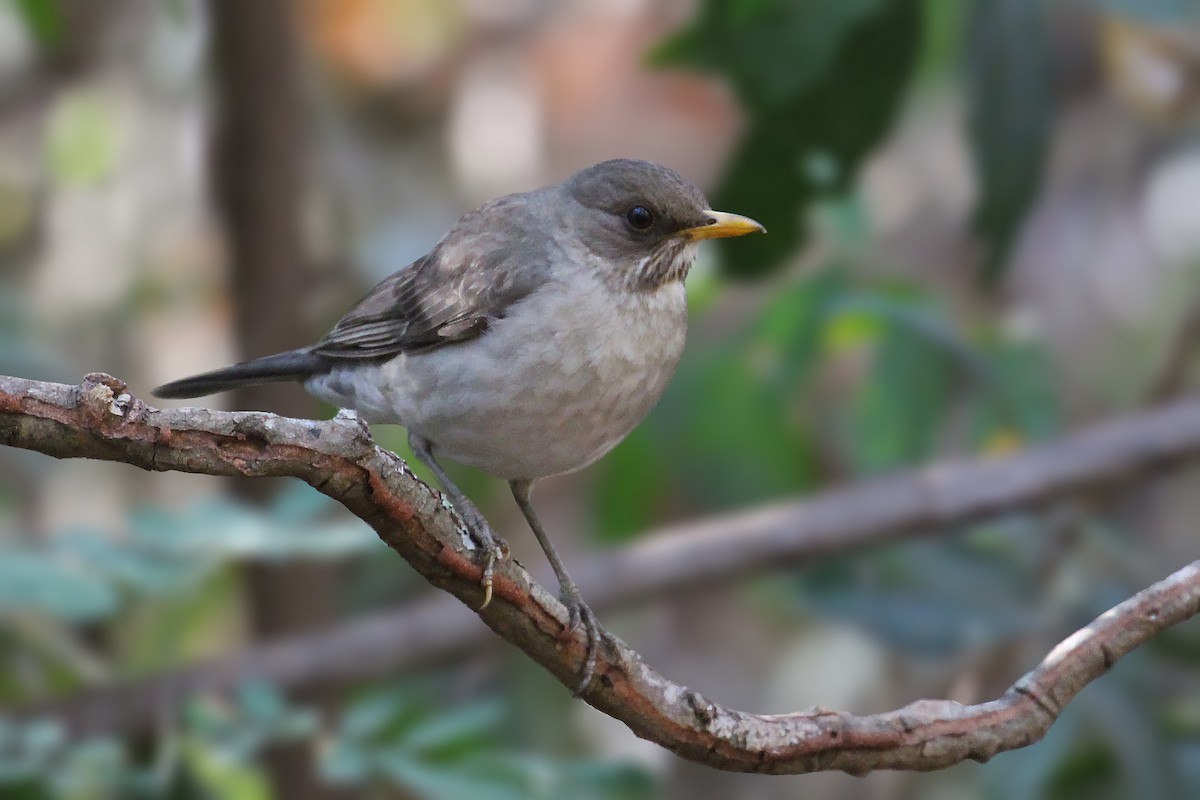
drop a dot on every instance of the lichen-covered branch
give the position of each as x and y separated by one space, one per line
98 419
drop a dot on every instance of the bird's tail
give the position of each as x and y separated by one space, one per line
294 365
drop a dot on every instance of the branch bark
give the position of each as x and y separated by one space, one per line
98 419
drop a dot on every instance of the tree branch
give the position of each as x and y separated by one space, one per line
99 420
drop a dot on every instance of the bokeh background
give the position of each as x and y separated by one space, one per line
983 220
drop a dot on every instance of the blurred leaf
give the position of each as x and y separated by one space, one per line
41 737
822 81
1187 760
447 734
30 789
632 485
897 414
375 713
83 138
346 763
513 777
224 736
224 529
128 564
38 761
264 709
1161 11
746 40
1009 116
733 440
1017 395
396 737
942 38
44 21
224 778
917 622
94 768
27 749
31 582
1135 739
261 703
928 598
1026 774
605 780
899 306
438 783
795 323
299 502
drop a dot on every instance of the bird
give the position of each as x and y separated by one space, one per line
535 336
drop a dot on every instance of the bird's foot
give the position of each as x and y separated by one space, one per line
582 616
491 546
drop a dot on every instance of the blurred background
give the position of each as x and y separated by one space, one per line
983 234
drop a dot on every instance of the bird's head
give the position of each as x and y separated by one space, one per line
645 220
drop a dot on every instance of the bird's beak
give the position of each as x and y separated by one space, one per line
720 225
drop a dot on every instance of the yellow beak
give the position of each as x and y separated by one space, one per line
722 226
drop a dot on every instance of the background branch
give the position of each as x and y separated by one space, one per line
100 420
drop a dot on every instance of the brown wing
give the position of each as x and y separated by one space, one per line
491 259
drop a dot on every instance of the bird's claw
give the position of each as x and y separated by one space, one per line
492 546
582 616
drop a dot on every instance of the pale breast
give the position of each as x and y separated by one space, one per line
550 388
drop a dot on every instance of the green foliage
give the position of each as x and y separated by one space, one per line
1014 394
746 41
259 715
39 762
941 39
822 82
170 557
937 598
1008 85
397 738
897 413
1168 11
400 739
220 529
43 20
34 582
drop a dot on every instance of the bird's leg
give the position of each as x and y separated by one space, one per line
490 544
581 615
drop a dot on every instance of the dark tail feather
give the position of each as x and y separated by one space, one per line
295 365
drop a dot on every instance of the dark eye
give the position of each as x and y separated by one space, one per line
640 217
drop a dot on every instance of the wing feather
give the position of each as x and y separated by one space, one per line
492 258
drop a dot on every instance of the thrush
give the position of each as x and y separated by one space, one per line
532 338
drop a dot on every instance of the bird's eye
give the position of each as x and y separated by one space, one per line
640 217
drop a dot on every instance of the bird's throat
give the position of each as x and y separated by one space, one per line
669 262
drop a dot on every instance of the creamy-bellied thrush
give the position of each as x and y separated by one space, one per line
533 338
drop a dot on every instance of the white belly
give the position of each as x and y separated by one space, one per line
549 389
